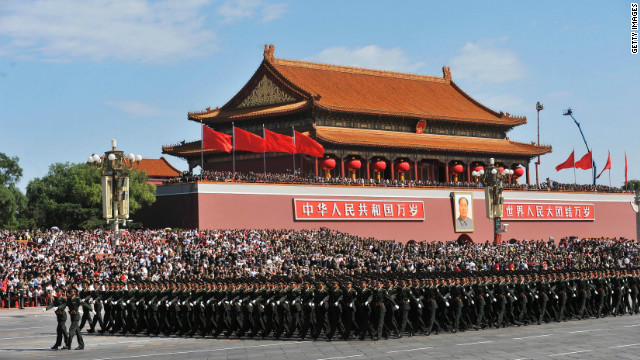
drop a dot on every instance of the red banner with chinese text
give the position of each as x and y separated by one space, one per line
357 210
548 212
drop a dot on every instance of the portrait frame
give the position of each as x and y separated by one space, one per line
460 225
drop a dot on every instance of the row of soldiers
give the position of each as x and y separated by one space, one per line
358 307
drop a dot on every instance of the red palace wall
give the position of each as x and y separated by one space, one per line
228 205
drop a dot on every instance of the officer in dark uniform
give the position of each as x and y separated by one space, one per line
74 303
58 305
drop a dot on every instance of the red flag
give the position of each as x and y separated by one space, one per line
308 146
275 142
626 170
606 167
212 139
244 140
568 164
585 163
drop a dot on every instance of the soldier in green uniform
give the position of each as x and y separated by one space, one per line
74 303
58 305
21 292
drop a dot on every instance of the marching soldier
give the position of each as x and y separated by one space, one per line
58 304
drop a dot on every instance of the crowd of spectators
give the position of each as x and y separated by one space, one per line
261 177
42 260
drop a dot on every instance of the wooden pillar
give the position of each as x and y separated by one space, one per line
341 166
368 167
415 169
446 170
527 170
469 172
393 175
316 165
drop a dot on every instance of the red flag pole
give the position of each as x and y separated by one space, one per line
201 148
294 154
574 171
264 154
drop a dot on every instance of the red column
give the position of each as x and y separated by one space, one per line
468 173
446 171
341 166
415 169
368 161
393 175
527 170
316 165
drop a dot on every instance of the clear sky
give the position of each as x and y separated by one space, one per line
75 74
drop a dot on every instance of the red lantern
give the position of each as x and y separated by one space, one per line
479 168
328 163
354 165
403 167
518 172
379 165
456 169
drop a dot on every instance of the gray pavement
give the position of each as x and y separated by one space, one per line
29 333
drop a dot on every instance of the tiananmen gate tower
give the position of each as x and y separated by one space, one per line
380 118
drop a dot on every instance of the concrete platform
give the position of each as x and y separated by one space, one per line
29 333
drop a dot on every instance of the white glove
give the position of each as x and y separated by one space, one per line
420 305
310 303
336 303
366 303
43 310
515 298
494 299
191 303
574 295
55 308
201 304
226 302
595 292
471 303
240 301
446 303
219 303
293 302
128 301
321 302
253 302
536 296
159 302
398 307
278 302
351 305
555 296
137 302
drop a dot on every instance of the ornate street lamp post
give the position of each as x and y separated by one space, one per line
115 184
491 179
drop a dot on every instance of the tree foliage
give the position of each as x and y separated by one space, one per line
12 201
70 196
632 185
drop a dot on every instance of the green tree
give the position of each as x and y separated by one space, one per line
70 196
12 200
632 185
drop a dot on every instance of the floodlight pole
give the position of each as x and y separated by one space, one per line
539 107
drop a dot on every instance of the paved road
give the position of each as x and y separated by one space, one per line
28 334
